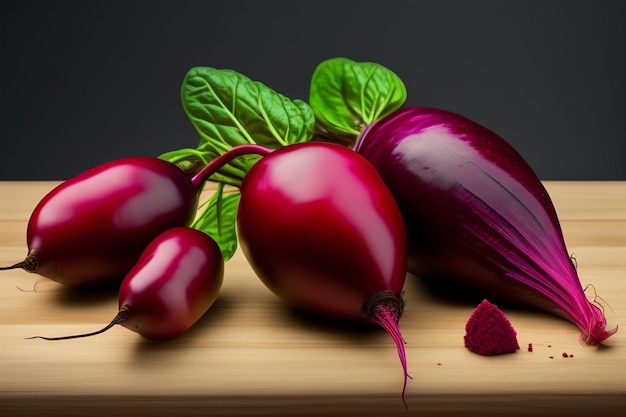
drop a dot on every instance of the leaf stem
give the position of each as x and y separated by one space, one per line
201 177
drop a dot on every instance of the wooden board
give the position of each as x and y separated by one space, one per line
250 355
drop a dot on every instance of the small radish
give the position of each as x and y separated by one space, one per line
322 231
175 281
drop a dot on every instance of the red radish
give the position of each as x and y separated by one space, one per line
175 281
92 228
323 232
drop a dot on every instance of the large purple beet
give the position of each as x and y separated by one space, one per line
476 213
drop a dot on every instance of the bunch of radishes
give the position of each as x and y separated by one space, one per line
327 228
315 220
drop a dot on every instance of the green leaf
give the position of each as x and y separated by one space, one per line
217 218
229 109
347 96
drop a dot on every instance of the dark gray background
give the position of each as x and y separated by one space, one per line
83 82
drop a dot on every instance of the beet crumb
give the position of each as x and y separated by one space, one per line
530 347
551 357
571 355
565 355
488 331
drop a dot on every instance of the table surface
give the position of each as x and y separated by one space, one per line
251 355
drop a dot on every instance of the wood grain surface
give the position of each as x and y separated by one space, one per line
251 355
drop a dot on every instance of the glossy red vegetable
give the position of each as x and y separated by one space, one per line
322 231
476 214
93 227
175 281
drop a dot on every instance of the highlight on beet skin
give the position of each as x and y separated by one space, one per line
489 332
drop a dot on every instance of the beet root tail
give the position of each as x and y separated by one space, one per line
121 317
29 264
592 322
385 309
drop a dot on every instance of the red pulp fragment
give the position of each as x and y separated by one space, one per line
489 332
